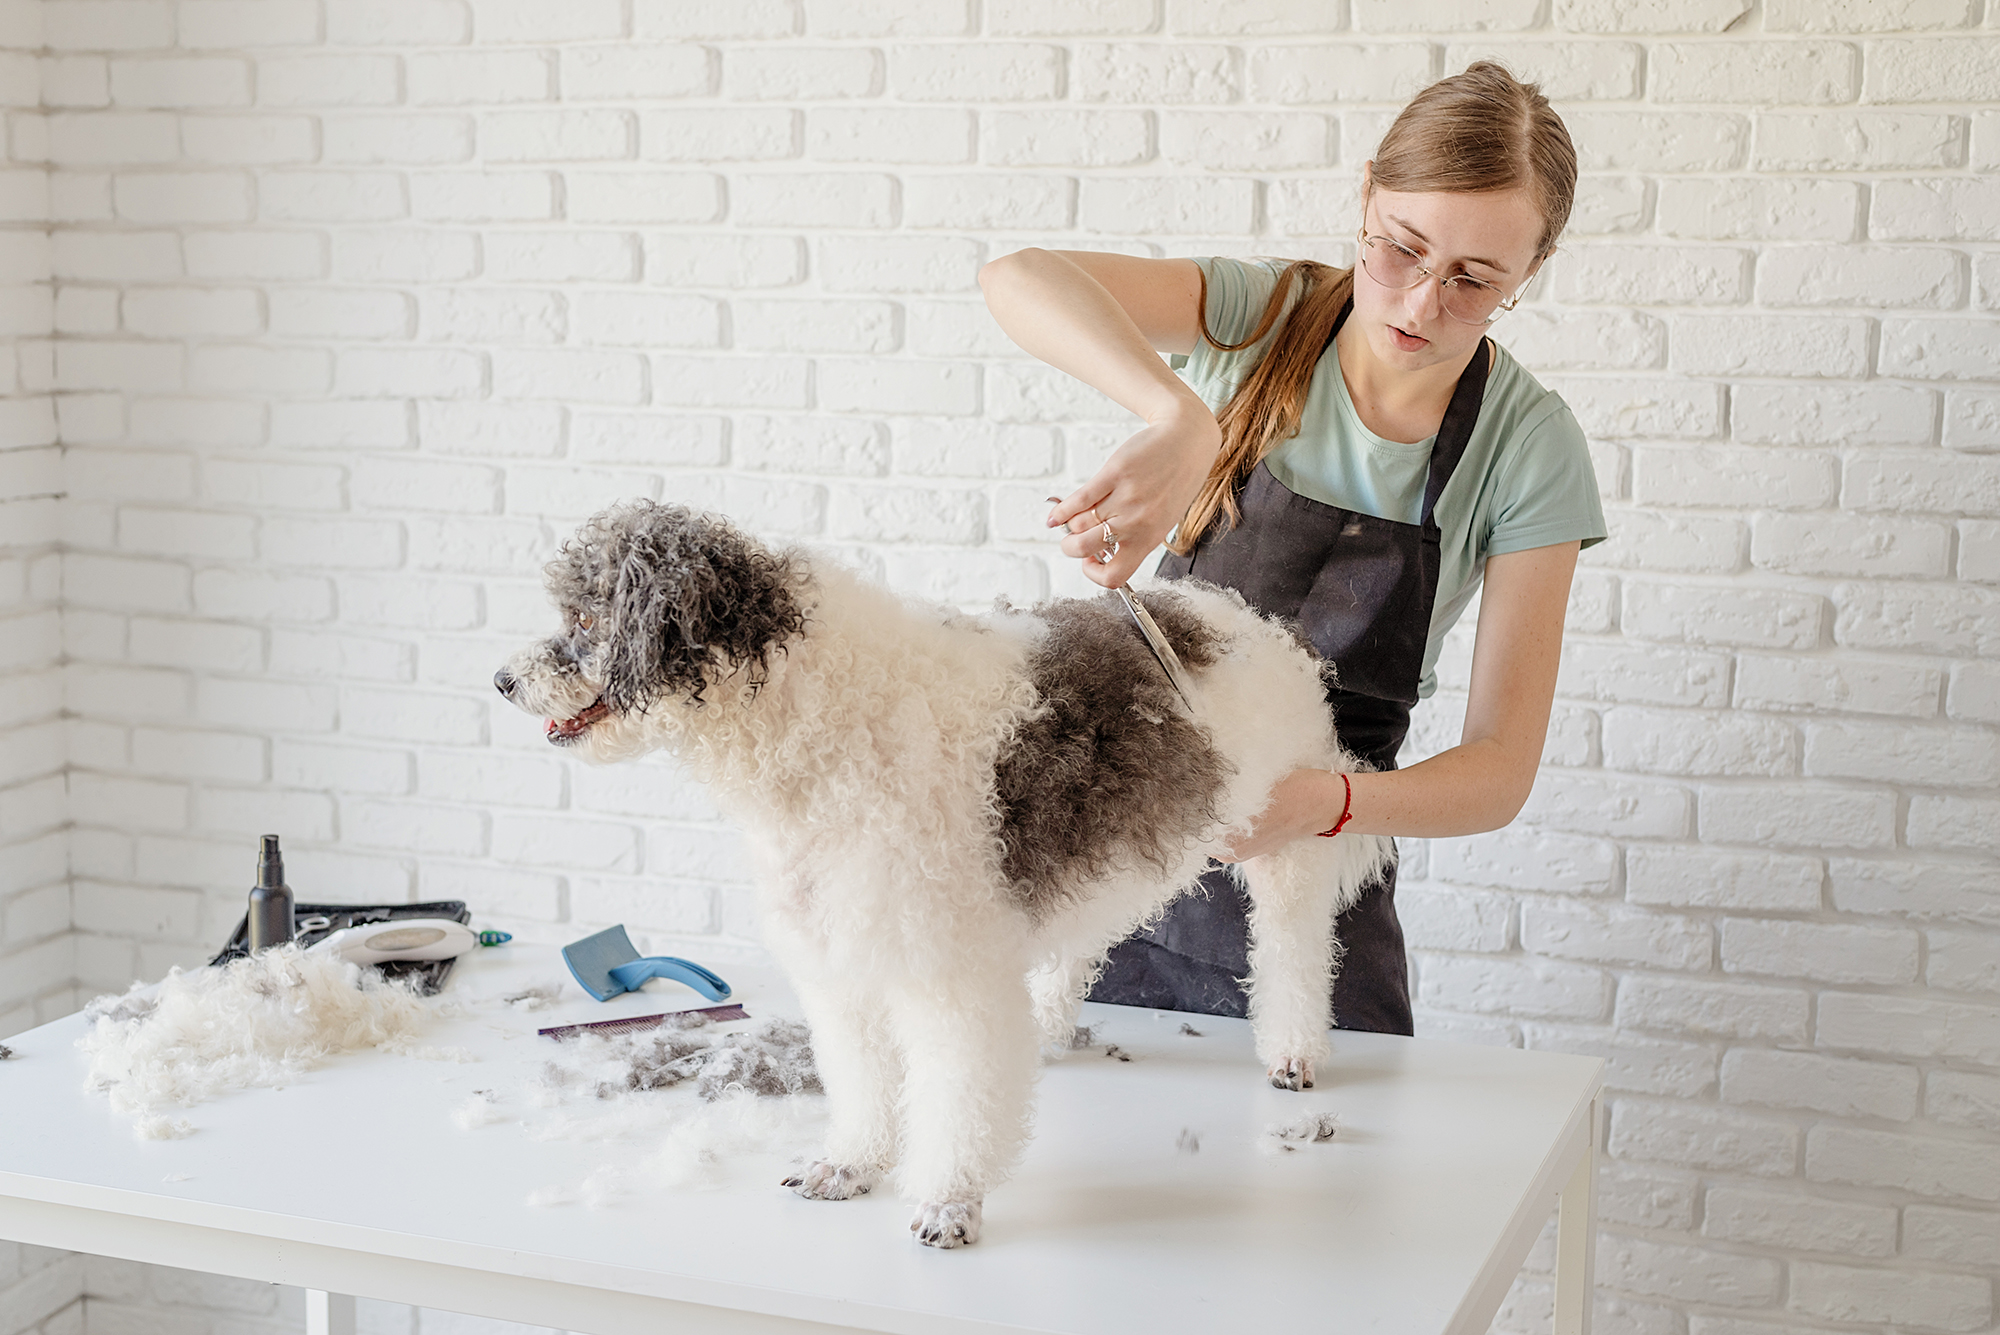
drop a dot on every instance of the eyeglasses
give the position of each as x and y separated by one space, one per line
1466 299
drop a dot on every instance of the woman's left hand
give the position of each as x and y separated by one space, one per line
1303 803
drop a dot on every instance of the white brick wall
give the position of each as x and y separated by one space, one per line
358 307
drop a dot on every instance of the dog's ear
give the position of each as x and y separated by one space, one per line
690 599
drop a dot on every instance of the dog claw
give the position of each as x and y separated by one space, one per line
1294 1073
947 1224
831 1182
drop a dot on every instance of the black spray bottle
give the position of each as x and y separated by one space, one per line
271 901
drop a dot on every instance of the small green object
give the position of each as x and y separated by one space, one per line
492 938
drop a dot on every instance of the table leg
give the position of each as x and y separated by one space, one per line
329 1313
1576 1239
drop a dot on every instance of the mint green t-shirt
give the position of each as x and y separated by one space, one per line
1524 481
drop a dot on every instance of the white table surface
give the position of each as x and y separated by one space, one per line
355 1180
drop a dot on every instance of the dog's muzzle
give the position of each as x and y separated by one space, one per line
505 682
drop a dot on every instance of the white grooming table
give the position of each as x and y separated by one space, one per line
1414 1219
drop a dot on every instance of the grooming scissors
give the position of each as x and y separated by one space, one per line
1170 661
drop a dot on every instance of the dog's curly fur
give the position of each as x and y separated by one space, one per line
955 817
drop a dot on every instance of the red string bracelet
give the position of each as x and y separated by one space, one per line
1346 810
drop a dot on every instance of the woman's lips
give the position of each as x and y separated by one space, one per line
1407 342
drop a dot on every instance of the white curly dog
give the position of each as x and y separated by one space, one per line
955 817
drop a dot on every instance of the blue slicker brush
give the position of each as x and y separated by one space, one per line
606 964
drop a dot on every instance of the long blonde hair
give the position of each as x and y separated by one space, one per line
1475 132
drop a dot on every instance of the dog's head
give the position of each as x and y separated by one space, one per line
659 605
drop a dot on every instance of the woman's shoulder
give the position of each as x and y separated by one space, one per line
1523 405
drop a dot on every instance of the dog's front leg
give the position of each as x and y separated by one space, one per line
858 1064
971 1048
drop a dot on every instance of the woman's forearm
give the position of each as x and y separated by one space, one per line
1054 310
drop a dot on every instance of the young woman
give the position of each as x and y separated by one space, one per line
1347 449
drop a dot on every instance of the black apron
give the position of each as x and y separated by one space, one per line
1362 589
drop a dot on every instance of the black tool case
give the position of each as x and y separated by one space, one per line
426 975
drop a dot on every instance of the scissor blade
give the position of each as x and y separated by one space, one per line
1169 660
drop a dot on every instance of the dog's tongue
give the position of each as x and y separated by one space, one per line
570 727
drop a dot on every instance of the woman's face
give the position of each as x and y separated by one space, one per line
1490 236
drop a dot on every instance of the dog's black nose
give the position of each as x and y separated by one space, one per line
503 682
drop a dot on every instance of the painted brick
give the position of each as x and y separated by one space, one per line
1972 420
705 382
302 653
276 256
1526 859
1147 204
326 81
239 23
1940 349
452 78
1825 952
1235 141
739 134
1717 1140
397 22
782 507
1682 877
1604 935
1934 1300
397 139
1909 1027
628 71
1969 824
1566 71
1696 1007
571 375
408 717
898 264
949 388
1454 920
529 21
988 202
1633 1063
1944 619
1961 961
798 73
727 262
567 843
1650 676
1914 888
1821 683
1797 1222
1927 70
1596 804
1644 408
1960 1098
1837 1087
1584 340
814 199
1859 141
1974 693
887 18
118 25
1865 16
1897 753
1871 277
1936 209
1692 614
714 18
1852 545
1979 550
483 315
1821 346
680 440
1797 816
1955 1237
833 446
1331 73
1654 275
180 83
1065 138
885 134
1512 987
1760 209
1672 141
1771 73
426 485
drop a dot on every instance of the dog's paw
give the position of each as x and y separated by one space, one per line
831 1182
947 1223
1292 1073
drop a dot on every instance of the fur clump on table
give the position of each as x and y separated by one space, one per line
703 1104
260 1021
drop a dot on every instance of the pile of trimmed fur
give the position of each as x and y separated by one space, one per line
260 1021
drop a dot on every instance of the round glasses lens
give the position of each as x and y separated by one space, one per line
1389 264
1472 305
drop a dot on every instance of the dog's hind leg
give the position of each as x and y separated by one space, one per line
970 1044
858 1064
1295 895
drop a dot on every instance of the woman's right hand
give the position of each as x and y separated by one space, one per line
1142 491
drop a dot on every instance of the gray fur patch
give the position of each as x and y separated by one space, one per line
1111 772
